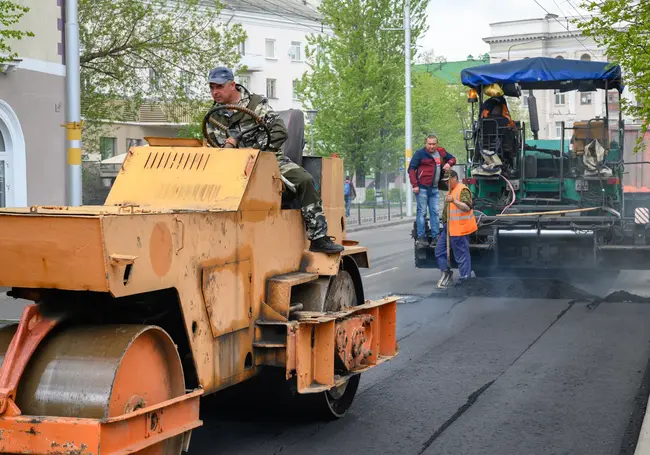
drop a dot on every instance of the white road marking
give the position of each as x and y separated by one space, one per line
379 273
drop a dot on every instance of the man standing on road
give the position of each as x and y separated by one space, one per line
350 193
224 90
425 170
461 224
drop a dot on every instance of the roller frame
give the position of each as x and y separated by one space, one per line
66 436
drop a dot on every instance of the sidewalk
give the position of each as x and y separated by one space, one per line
381 224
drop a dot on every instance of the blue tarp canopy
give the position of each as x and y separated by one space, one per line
541 73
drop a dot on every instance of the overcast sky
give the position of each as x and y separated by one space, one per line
457 27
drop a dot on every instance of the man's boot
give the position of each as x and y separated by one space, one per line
325 245
421 242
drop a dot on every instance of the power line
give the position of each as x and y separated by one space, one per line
576 10
567 29
258 6
560 9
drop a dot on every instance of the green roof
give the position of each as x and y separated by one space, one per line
448 71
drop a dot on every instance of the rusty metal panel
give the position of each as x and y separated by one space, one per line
320 263
183 178
323 355
52 252
227 296
303 360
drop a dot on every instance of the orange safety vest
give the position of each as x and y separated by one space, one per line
460 223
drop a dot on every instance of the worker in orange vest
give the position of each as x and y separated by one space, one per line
461 224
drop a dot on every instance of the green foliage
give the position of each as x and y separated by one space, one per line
356 81
158 50
10 14
370 195
442 110
622 27
394 195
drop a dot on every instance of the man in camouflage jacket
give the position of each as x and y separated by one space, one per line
224 90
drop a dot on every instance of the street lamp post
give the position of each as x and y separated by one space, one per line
543 38
311 115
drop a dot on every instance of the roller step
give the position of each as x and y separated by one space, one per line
278 289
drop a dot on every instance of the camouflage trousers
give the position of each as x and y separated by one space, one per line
311 204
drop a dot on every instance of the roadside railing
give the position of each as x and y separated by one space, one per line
374 212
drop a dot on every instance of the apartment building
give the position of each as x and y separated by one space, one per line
32 110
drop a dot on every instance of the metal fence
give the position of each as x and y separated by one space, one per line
373 212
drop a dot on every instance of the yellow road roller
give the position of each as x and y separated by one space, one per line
192 277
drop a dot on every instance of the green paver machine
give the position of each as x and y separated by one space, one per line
548 206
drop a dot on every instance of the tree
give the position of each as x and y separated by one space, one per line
440 109
10 14
157 50
356 81
622 27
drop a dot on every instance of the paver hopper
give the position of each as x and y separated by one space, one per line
192 277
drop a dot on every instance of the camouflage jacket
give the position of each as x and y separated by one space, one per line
239 121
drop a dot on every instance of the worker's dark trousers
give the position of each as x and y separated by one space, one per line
460 248
311 205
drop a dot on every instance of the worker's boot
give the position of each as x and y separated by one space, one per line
445 279
421 242
325 245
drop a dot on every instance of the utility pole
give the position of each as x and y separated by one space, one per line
408 129
72 104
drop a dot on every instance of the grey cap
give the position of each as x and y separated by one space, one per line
451 174
220 75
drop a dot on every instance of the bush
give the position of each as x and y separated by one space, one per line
394 195
370 196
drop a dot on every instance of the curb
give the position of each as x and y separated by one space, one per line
364 227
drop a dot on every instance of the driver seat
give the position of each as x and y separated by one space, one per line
294 121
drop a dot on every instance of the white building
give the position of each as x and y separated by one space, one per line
274 51
555 37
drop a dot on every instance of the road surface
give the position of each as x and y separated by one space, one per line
475 375
533 368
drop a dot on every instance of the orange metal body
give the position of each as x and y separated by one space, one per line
209 224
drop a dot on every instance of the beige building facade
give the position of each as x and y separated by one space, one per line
32 110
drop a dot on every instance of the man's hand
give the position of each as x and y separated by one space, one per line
449 198
416 189
231 143
446 167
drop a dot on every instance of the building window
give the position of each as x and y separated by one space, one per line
559 56
107 147
585 57
270 89
153 79
295 89
612 97
133 143
524 101
558 129
585 98
294 52
242 48
244 80
559 98
270 48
